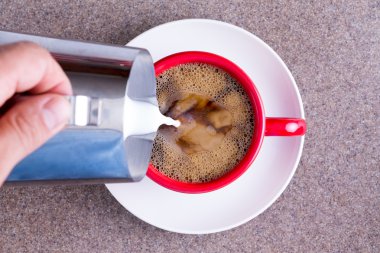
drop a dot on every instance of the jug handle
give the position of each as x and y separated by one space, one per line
85 111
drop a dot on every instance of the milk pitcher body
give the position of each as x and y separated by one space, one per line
101 143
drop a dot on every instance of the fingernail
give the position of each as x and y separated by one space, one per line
55 112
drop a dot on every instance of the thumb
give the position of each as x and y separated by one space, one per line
27 125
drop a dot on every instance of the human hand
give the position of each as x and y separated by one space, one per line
30 120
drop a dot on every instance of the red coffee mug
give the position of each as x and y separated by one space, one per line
262 126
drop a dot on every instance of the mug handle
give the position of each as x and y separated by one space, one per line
285 127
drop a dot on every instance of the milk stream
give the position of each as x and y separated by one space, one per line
143 118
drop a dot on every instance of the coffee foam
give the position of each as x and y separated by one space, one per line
198 78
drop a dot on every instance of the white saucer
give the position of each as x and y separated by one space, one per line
273 168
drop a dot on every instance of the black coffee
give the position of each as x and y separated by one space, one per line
216 123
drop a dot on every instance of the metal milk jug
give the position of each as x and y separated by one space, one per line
101 143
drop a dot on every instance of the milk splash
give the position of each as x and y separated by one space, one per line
143 117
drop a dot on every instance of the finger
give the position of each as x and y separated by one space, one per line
25 66
27 125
